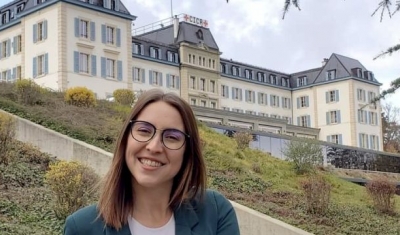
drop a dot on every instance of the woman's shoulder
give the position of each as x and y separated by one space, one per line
83 221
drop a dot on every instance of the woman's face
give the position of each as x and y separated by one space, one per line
150 162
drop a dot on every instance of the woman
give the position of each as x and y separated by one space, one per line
157 180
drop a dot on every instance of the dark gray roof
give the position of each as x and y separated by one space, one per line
29 5
311 74
186 33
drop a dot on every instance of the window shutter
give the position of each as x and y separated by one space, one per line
339 118
328 118
9 75
308 121
377 144
152 52
298 82
360 140
326 75
117 5
45 29
377 120
305 81
150 77
35 33
283 101
178 82
135 48
290 103
240 72
103 33
254 96
359 116
103 67
91 1
259 97
366 117
371 141
160 79
8 47
92 31
168 82
337 95
15 44
1 51
298 102
227 91
76 20
298 121
34 67
233 93
159 54
94 65
328 138
143 75
366 136
369 117
364 94
142 49
246 95
46 63
118 36
340 139
327 96
307 101
14 75
176 58
76 61
277 101
120 71
105 5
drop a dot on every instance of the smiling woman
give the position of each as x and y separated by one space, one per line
157 181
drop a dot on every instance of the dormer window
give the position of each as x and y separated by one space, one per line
235 71
285 82
138 49
5 17
223 68
302 81
36 2
111 4
155 52
248 73
356 72
20 7
172 56
259 76
199 34
368 75
331 74
272 79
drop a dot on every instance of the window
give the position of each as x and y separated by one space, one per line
110 35
202 84
286 103
4 76
193 101
19 72
304 121
371 96
212 86
4 49
362 116
361 95
250 96
332 96
302 81
200 60
223 68
83 63
303 102
138 74
172 56
260 76
213 64
373 118
190 58
155 78
41 65
192 83
203 103
225 91
235 71
110 68
236 93
213 105
17 44
274 101
363 139
331 74
273 79
20 7
374 142
262 98
285 82
83 28
336 139
204 61
40 31
288 119
138 49
357 72
248 74
5 17
173 81
333 117
155 53
225 108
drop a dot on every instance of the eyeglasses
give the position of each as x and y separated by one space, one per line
171 138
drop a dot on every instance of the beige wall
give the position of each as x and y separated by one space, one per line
13 60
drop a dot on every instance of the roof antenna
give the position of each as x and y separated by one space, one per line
172 14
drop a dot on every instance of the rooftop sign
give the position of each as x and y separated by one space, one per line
195 21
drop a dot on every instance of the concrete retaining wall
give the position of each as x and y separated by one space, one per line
63 147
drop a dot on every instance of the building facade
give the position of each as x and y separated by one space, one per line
67 43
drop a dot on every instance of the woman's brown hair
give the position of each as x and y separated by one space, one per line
117 197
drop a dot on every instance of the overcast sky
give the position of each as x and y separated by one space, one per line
252 31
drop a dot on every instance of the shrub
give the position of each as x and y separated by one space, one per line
317 193
304 153
124 96
28 92
382 192
71 184
80 96
243 139
7 133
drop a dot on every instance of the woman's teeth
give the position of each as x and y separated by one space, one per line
148 162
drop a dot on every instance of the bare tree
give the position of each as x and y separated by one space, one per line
391 128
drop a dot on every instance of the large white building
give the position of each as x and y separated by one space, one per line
66 43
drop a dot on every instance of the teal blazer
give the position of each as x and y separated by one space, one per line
215 216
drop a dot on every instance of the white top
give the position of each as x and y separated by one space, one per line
138 229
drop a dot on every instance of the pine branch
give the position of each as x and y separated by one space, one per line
389 51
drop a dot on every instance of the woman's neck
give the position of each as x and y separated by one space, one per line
151 207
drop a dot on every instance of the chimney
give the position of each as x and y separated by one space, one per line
176 26
324 61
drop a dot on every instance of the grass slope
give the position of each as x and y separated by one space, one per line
249 177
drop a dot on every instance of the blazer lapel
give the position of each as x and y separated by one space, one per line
185 220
